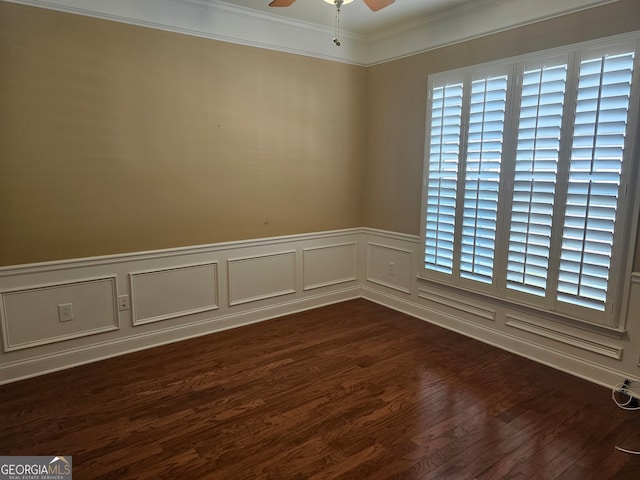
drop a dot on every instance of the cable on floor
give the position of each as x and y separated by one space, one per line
625 398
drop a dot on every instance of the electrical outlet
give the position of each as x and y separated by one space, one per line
391 268
123 302
65 312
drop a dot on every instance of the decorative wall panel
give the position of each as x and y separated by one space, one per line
389 266
329 265
173 292
261 277
31 316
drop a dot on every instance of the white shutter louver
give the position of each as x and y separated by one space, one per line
482 177
534 186
602 105
444 151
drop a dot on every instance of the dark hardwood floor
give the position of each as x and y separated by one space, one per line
350 391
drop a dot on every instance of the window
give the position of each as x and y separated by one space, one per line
527 169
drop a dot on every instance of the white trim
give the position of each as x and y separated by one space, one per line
576 322
526 325
431 296
390 247
633 191
406 237
462 24
220 21
389 285
117 258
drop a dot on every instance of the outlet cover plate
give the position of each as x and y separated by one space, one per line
65 312
123 302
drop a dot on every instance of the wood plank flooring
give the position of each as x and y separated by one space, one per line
348 391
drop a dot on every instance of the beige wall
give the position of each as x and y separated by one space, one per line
115 138
397 94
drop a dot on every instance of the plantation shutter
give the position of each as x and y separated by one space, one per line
602 105
534 186
446 121
482 177
528 190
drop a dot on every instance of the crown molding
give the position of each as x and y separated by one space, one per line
467 22
219 20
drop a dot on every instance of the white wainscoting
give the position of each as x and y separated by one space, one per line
177 294
166 293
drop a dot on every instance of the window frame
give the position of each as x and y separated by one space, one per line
628 207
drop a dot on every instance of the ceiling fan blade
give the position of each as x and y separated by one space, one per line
376 5
281 3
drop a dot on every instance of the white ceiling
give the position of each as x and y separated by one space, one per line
356 17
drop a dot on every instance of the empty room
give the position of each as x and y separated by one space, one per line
320 239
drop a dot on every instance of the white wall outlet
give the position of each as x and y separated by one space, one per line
123 302
391 268
65 312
